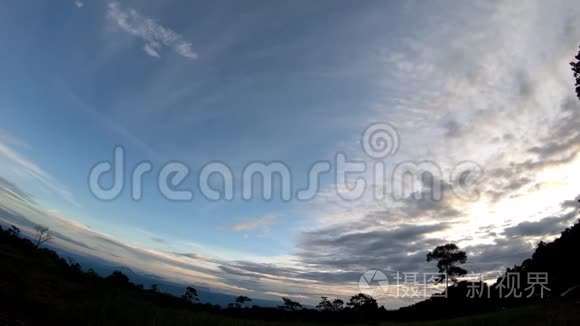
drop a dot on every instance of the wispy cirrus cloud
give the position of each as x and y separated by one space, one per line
31 169
151 51
155 36
13 192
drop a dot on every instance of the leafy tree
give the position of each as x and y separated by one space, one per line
42 235
363 302
190 295
241 300
576 70
447 257
327 305
290 305
155 288
118 277
73 264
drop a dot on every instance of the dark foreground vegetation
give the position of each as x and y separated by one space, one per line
38 287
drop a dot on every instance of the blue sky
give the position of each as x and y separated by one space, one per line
296 82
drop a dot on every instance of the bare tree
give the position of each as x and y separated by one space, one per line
42 235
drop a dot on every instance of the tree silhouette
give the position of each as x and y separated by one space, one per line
290 305
73 264
118 277
190 295
447 257
576 70
327 305
241 300
42 235
14 231
155 288
363 302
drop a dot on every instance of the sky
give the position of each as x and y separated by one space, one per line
297 82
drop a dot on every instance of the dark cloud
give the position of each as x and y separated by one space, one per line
508 137
516 243
402 247
452 129
559 147
433 202
525 84
428 208
191 255
158 240
574 203
499 255
544 227
372 244
564 138
397 238
72 241
506 184
260 270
